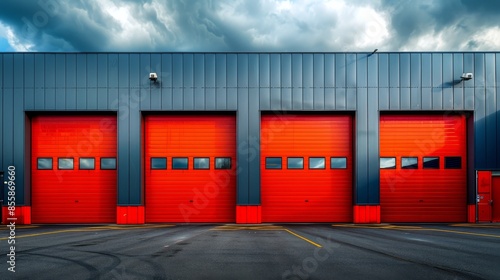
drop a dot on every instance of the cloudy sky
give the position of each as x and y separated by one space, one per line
249 25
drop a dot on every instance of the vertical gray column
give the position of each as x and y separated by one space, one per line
366 133
242 135
367 178
471 169
248 131
123 128
361 148
123 131
130 188
253 131
135 165
373 138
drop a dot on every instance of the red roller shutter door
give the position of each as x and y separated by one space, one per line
307 194
423 194
190 195
80 193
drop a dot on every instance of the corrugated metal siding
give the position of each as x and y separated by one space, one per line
251 82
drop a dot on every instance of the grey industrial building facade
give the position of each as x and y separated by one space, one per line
361 85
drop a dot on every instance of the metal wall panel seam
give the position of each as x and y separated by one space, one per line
44 85
87 82
216 85
459 103
254 126
447 82
497 82
345 80
490 113
8 123
188 91
491 125
1 106
135 156
171 70
361 146
129 123
124 187
301 82
281 81
204 83
108 105
60 83
419 84
32 71
324 82
226 80
480 129
399 82
249 113
1 71
453 82
18 144
484 106
22 143
376 144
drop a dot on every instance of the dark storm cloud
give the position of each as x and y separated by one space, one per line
52 25
466 18
248 25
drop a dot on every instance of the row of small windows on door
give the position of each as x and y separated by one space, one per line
106 163
453 162
314 163
183 163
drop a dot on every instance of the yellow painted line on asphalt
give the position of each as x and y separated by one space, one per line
125 227
456 231
50 232
417 228
496 225
303 238
4 227
382 226
89 229
263 227
238 227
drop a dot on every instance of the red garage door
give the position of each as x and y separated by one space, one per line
423 168
73 169
190 168
306 168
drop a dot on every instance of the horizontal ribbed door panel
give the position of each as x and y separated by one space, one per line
306 195
73 195
190 195
423 194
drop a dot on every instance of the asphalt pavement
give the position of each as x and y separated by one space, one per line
279 251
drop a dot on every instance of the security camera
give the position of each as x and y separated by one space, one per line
153 77
467 76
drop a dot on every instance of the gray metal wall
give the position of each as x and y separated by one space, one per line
246 83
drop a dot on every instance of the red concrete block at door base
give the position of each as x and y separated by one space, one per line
471 213
22 215
367 214
129 215
248 214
